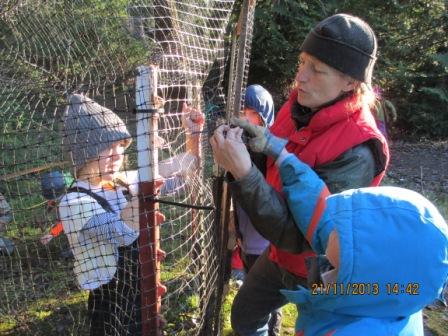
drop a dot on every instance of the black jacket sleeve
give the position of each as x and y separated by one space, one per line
268 211
355 168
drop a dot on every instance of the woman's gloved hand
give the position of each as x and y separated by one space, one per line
261 141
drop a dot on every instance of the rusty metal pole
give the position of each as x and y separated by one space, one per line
149 240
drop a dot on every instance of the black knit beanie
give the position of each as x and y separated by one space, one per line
346 43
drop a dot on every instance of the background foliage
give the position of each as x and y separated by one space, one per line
412 66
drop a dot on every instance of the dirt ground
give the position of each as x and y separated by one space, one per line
421 166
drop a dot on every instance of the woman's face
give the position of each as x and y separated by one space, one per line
318 83
111 159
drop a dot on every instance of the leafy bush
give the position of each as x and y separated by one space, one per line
279 29
412 61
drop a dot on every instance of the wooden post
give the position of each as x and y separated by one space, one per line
239 63
149 240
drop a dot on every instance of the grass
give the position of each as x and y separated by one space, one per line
288 320
437 321
52 312
38 295
226 308
438 197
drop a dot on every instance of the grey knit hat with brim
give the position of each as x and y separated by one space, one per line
346 43
90 128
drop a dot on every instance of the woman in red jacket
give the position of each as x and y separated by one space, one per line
327 123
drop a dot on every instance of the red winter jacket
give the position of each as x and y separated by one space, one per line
331 131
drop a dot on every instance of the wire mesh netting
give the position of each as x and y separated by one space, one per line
74 218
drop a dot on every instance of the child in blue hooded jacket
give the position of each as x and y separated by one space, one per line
386 248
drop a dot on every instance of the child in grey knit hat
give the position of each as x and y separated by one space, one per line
91 128
96 217
101 224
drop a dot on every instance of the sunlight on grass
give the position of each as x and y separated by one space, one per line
70 299
41 310
226 308
193 301
7 324
40 315
288 320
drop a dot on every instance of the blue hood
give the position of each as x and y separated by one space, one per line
394 243
393 248
259 99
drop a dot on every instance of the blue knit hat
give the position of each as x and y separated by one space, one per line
259 99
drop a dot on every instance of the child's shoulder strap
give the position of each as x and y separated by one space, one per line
101 200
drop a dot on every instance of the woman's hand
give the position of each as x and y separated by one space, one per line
230 152
261 141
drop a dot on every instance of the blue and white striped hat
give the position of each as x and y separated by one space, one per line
259 99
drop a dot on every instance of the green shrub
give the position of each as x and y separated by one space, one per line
412 61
